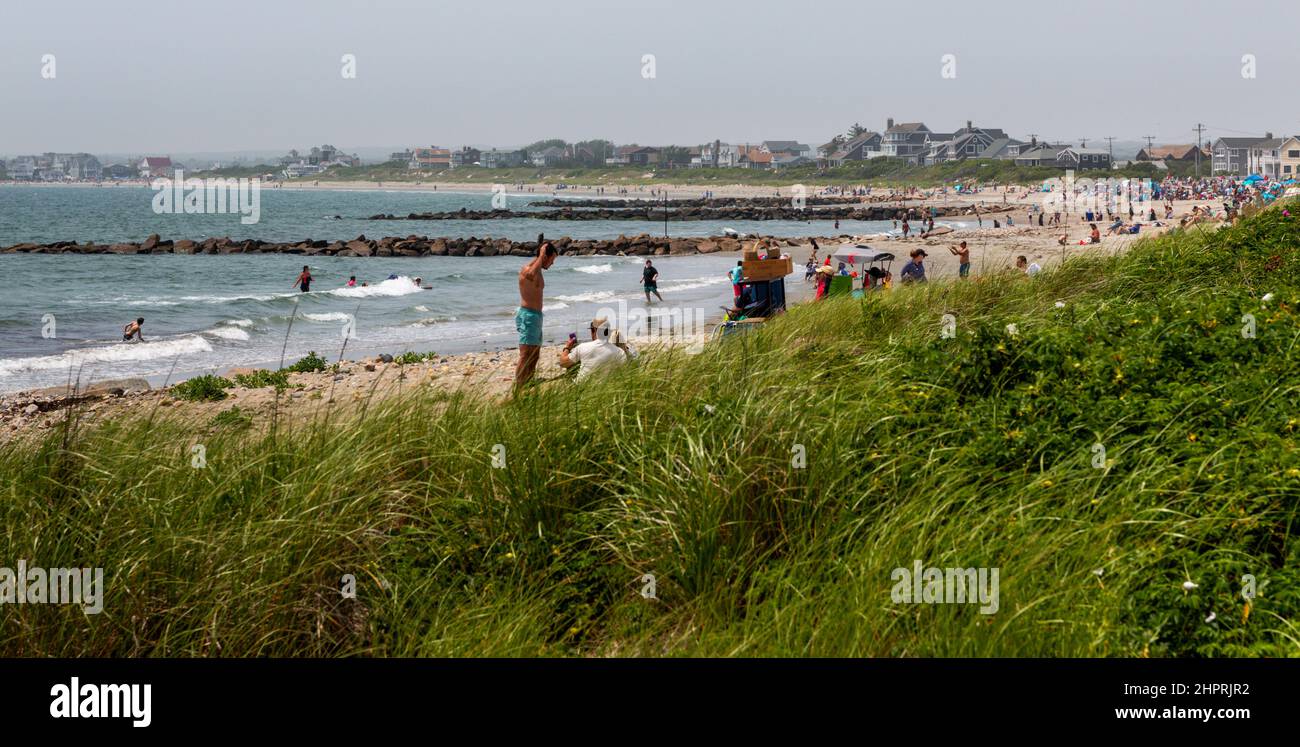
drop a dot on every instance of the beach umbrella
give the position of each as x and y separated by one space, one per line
855 253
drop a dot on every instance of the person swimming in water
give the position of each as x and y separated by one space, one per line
304 279
133 329
352 281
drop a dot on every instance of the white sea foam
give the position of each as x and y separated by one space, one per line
239 322
227 333
421 308
595 269
329 316
554 306
588 296
432 321
112 353
398 286
692 283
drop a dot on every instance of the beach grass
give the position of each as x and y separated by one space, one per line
1125 456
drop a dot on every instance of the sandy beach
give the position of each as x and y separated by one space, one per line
489 373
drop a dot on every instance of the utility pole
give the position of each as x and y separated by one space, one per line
1110 145
1083 142
1150 141
1199 129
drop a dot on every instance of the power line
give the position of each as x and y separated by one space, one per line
1110 145
1150 141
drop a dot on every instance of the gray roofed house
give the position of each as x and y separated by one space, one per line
1083 158
857 149
906 140
968 142
1230 155
1040 154
1003 148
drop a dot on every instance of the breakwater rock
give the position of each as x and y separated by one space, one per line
620 202
409 246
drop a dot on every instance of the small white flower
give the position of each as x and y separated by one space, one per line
708 409
1210 619
1267 297
1099 571
1012 329
1060 304
1189 585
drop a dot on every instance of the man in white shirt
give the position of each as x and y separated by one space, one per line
597 354
1029 268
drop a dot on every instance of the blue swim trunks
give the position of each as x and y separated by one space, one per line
528 322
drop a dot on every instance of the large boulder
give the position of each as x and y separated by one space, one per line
358 248
149 243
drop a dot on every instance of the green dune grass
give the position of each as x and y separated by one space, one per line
770 485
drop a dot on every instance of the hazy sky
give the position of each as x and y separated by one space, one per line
161 77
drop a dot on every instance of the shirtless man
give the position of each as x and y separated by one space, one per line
962 253
133 329
528 319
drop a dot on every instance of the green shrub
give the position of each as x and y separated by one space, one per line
411 356
207 388
262 378
310 364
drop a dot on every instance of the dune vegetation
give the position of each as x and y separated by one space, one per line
1118 436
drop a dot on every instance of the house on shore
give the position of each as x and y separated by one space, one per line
1081 159
906 140
1264 157
865 146
754 157
501 159
970 142
152 166
1230 155
634 155
548 157
1039 154
466 156
787 148
1290 157
430 159
1171 154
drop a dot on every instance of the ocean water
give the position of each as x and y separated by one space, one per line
61 316
125 213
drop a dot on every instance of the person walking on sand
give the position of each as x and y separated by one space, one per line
133 329
962 253
528 318
304 279
650 281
